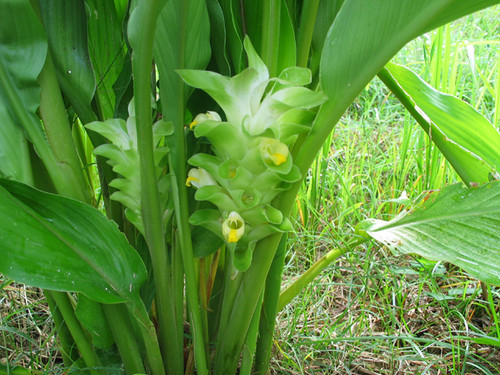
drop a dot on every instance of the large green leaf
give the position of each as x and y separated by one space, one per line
365 35
23 49
466 138
66 24
61 244
457 225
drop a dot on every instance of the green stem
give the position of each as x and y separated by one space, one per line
174 101
252 284
270 309
148 332
306 29
251 341
298 285
271 11
182 216
119 322
231 287
67 344
152 214
58 131
82 341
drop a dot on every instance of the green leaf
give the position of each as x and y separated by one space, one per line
362 39
57 243
464 136
218 36
457 225
92 317
327 11
287 47
205 242
365 35
23 49
14 154
66 25
180 46
107 50
234 27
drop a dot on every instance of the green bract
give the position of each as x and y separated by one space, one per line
124 158
252 161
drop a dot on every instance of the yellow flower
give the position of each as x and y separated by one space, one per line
233 227
199 177
273 151
201 117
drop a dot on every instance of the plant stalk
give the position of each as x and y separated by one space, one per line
67 344
306 29
269 310
152 214
119 322
81 340
271 13
174 106
298 285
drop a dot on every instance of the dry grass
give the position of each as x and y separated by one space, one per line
27 331
373 314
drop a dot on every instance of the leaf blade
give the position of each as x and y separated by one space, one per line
23 49
61 244
457 225
66 26
466 138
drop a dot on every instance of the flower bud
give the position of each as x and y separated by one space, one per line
201 117
273 151
233 227
199 177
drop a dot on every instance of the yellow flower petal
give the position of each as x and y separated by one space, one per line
210 115
191 179
272 150
233 228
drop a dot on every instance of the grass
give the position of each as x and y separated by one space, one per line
27 332
371 312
